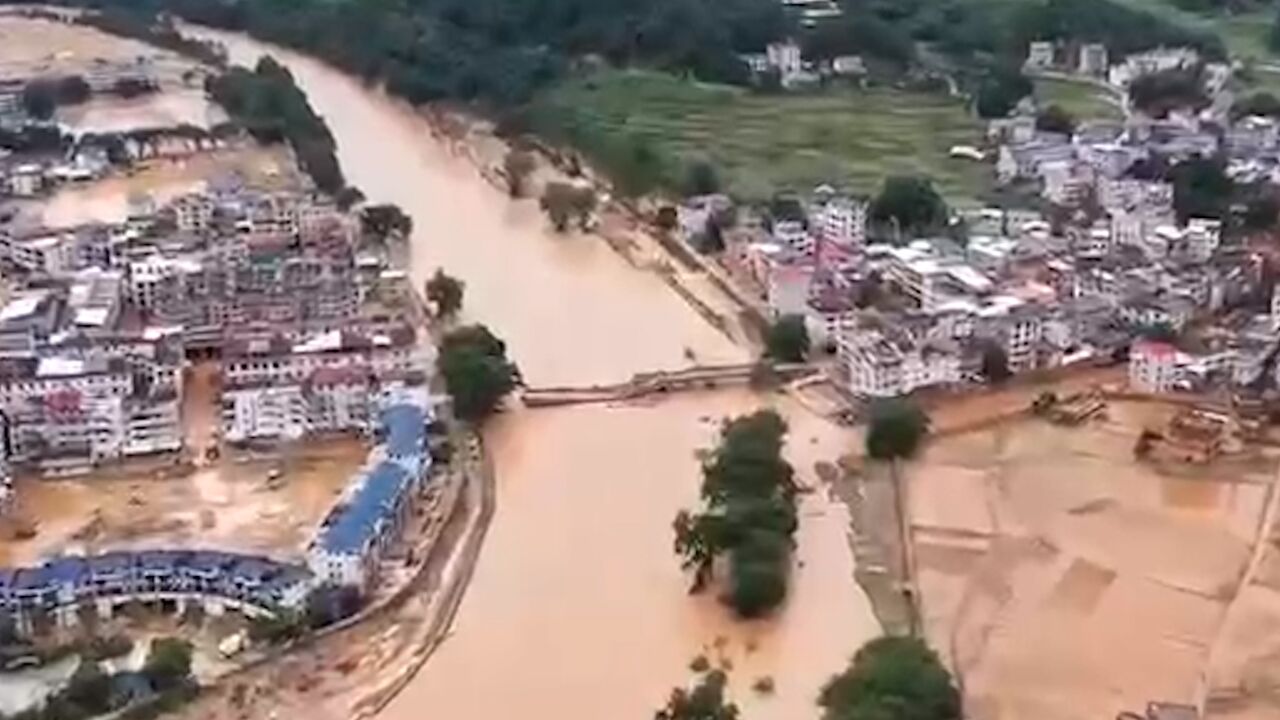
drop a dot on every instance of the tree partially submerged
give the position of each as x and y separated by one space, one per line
386 221
749 515
787 339
445 294
565 203
892 678
706 701
476 371
518 164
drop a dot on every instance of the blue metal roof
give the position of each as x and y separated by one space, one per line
352 529
406 427
253 568
65 570
111 562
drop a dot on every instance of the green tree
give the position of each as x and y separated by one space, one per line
787 339
89 688
667 219
749 514
706 701
1000 91
476 371
518 165
71 90
39 99
1259 103
995 363
168 662
1160 92
1201 189
896 429
385 221
892 678
701 178
909 204
445 292
1260 211
1056 118
565 202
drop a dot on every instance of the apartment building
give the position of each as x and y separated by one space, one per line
881 363
1153 366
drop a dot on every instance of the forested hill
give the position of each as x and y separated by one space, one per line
500 52
497 51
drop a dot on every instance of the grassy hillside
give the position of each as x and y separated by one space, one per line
764 143
1084 101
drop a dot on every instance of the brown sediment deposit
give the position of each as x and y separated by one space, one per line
228 505
107 200
165 109
1062 578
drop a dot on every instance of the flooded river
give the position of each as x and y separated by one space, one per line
578 608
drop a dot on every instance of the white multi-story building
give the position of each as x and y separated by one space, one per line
1153 366
1040 55
843 221
879 364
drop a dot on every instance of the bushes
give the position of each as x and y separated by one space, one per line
271 107
750 515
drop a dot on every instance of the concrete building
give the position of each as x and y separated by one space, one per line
1153 366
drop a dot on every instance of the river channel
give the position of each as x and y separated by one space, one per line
578 608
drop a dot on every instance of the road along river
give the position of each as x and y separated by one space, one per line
578 608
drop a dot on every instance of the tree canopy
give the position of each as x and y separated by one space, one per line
910 204
445 293
787 339
1158 93
1056 118
168 662
518 164
267 103
476 371
995 363
896 429
566 202
1000 90
706 701
749 514
892 678
384 221
1201 189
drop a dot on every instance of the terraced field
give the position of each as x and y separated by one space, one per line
764 143
1084 101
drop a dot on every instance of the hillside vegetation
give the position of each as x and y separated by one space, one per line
649 128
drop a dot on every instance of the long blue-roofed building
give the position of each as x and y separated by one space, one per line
356 533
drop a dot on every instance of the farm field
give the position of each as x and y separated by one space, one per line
765 143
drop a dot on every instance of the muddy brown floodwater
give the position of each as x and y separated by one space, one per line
578 608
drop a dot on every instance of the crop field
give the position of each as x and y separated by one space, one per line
761 143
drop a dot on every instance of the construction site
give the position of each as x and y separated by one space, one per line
1086 555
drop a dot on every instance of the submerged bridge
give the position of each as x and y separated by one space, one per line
698 377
